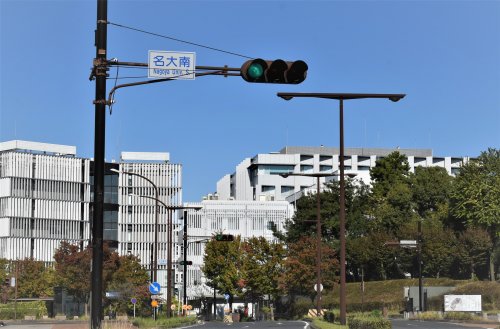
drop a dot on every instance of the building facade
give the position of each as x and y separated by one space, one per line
258 178
46 195
44 199
244 218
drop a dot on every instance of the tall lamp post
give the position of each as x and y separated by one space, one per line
169 245
318 229
341 97
154 265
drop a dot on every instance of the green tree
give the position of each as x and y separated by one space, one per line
472 252
261 266
222 264
476 198
34 279
391 199
431 189
304 220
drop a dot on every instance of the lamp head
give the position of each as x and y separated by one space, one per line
396 98
285 96
284 175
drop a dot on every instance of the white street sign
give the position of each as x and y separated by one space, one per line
316 287
171 64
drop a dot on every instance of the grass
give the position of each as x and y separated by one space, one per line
162 323
390 293
321 324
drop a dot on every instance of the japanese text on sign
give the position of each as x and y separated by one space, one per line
171 64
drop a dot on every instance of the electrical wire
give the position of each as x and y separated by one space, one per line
178 40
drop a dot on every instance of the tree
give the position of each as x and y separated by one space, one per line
303 222
73 270
129 280
261 266
222 264
476 198
299 275
34 279
431 189
472 254
391 200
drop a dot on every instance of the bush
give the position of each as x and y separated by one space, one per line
37 309
369 322
329 316
164 322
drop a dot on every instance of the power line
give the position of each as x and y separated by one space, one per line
178 40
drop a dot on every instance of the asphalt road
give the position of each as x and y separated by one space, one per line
255 325
414 324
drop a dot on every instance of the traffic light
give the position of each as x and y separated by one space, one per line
188 262
7 282
277 71
224 237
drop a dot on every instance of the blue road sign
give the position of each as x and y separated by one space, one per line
154 288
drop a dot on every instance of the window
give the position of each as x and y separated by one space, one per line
325 168
306 168
286 190
275 169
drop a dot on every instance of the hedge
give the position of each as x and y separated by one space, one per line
36 308
369 322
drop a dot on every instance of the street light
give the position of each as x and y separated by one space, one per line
169 244
341 97
154 265
318 229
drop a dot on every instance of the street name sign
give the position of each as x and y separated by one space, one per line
171 64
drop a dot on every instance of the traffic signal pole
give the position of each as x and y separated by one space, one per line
100 69
184 268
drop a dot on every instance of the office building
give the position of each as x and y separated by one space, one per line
257 178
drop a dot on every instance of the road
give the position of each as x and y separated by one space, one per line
414 324
255 325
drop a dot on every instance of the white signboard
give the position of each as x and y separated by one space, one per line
462 303
171 64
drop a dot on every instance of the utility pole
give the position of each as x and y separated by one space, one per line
100 70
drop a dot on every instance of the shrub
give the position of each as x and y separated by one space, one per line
38 309
329 316
369 322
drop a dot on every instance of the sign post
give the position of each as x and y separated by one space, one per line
133 301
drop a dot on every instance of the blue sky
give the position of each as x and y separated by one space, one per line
445 55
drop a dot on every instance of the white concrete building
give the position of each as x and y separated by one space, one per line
257 178
244 218
46 194
44 199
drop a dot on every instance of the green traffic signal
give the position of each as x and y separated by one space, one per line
255 71
277 71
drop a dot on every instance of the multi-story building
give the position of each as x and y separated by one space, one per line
258 178
46 194
46 197
244 218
